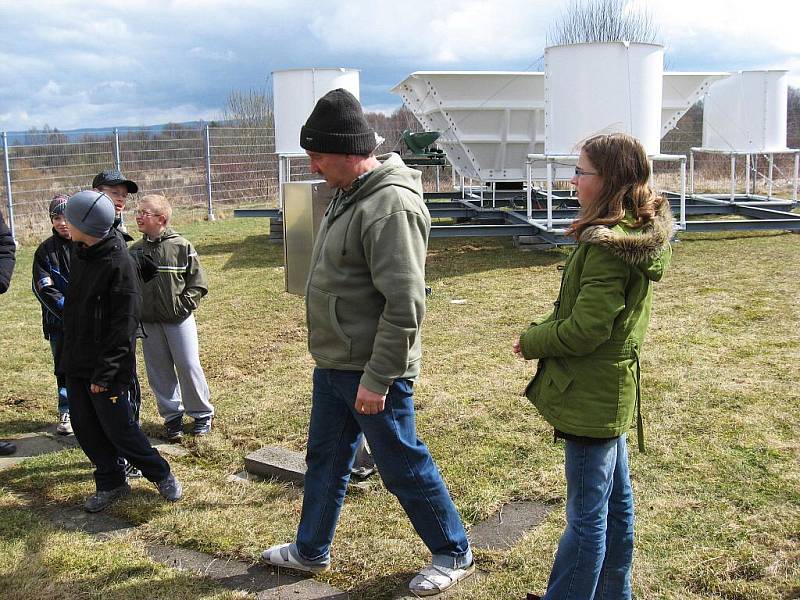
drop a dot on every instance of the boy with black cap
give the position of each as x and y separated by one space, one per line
50 279
8 248
117 187
101 315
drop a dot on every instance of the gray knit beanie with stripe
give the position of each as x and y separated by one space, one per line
90 212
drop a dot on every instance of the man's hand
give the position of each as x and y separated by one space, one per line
368 402
97 389
517 348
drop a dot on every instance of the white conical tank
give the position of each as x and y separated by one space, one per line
295 92
747 112
605 87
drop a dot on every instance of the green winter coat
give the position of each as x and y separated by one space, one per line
175 292
365 297
587 380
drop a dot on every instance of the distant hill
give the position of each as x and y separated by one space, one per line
23 137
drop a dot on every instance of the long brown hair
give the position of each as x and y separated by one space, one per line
621 161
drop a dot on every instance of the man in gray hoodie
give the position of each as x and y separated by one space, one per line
365 301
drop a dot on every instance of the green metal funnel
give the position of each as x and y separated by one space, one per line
418 142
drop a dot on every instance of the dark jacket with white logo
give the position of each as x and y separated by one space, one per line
101 313
50 280
7 250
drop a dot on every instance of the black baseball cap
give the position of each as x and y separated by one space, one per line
114 177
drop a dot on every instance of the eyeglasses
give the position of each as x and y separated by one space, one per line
579 172
145 213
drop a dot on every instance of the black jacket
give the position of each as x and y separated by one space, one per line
50 279
7 249
101 313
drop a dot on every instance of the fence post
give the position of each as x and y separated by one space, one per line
208 174
7 170
117 161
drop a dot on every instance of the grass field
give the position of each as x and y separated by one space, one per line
718 493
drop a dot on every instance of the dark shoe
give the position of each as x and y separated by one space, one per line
102 498
532 596
202 426
170 488
173 429
7 448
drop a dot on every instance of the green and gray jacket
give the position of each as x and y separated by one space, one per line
587 380
175 292
365 297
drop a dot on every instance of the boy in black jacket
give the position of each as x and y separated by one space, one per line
50 279
101 314
8 248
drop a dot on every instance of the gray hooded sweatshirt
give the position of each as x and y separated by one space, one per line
365 297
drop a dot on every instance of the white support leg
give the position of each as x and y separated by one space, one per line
549 195
769 175
683 194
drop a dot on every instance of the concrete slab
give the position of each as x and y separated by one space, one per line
99 525
505 528
274 462
167 449
30 445
231 574
237 575
47 441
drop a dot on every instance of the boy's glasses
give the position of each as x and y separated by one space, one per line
145 213
579 172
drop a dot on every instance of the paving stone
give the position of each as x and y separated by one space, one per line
100 525
267 582
237 575
30 445
274 462
278 463
167 449
505 528
242 477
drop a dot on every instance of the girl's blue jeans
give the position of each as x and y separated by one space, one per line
595 553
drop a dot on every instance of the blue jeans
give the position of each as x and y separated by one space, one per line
403 461
61 382
594 556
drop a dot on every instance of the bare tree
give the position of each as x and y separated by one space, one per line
793 118
602 21
253 108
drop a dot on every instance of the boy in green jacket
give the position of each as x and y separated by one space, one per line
170 346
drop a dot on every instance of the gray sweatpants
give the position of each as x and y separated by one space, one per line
170 349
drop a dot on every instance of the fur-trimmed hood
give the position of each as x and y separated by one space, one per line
642 246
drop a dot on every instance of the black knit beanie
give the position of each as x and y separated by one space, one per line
337 126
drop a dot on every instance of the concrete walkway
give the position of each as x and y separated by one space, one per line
264 582
500 531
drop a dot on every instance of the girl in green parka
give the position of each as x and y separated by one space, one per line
587 381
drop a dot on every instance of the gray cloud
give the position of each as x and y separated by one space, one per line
73 64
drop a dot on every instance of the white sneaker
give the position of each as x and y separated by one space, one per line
64 425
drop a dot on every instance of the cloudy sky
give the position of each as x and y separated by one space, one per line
73 64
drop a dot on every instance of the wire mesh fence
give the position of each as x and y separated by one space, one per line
204 169
200 169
